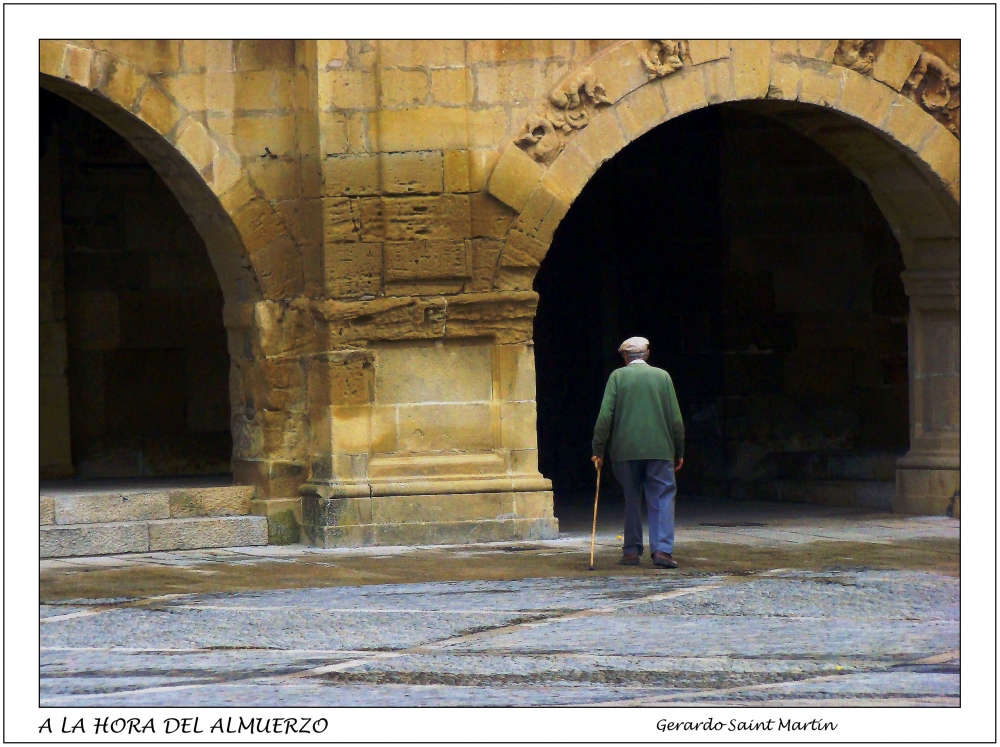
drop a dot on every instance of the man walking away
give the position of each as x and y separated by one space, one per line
641 415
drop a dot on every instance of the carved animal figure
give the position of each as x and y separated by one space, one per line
567 95
856 54
663 57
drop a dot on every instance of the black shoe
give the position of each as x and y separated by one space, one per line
664 560
629 558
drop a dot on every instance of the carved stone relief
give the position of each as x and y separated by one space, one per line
936 87
664 56
856 54
566 110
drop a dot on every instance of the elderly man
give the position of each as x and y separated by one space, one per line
641 414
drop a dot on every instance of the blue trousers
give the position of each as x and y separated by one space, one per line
655 479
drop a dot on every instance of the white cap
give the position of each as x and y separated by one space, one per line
634 345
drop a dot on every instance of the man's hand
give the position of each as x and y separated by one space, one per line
598 462
678 464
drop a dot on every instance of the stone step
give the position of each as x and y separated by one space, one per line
854 493
113 538
75 506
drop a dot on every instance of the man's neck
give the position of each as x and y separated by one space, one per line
637 360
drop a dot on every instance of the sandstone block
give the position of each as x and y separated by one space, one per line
481 163
150 56
821 87
111 507
420 172
706 50
385 438
278 179
211 55
78 65
684 91
264 54
341 220
158 111
485 253
909 124
423 128
864 100
347 89
121 83
461 427
524 462
352 269
506 50
362 132
895 61
718 82
941 153
196 145
515 82
439 217
456 171
449 86
515 177
620 70
533 505
350 429
602 138
514 367
422 53
490 218
341 380
517 425
426 260
522 251
640 111
409 509
487 128
818 49
351 175
446 373
333 137
336 512
568 174
402 88
252 134
751 68
372 219
50 57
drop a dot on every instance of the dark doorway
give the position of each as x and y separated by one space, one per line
768 283
135 366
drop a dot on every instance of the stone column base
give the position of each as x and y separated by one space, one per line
928 486
427 519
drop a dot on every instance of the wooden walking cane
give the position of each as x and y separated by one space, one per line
593 532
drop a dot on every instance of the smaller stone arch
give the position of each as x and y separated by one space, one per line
251 248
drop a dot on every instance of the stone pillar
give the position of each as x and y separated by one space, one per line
928 477
425 442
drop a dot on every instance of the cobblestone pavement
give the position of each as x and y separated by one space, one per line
815 607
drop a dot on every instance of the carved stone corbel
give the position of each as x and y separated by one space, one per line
936 87
664 56
566 110
856 54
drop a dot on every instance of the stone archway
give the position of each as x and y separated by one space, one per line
865 103
249 244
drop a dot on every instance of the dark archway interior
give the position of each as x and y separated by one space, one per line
134 358
768 283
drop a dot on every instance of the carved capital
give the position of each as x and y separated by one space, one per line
933 289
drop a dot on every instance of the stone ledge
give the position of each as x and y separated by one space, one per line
68 540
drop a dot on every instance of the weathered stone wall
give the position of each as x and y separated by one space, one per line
353 195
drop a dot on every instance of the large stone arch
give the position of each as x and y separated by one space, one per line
251 248
859 101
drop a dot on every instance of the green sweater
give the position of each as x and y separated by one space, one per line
641 404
